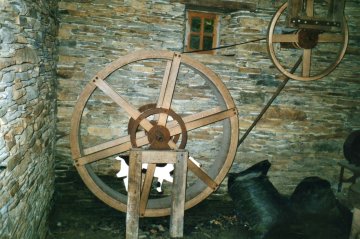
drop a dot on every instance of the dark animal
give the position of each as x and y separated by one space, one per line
316 213
255 198
311 212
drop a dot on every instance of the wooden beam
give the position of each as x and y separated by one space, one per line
216 5
133 202
178 196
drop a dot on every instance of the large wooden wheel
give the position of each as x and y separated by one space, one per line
188 104
321 49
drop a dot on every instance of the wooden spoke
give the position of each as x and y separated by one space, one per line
146 187
111 143
202 175
133 112
310 8
197 116
200 122
169 85
102 154
306 63
279 38
107 152
164 84
330 37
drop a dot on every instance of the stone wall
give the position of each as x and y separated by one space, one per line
302 133
27 116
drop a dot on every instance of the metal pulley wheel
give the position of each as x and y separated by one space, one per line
154 100
321 48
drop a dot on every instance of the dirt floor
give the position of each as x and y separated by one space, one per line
210 219
80 214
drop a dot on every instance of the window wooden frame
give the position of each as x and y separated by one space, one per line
191 15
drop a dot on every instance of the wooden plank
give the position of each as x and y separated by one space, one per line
281 38
209 119
112 143
159 156
133 201
98 155
294 8
338 10
164 84
146 187
178 196
306 63
330 37
102 154
195 117
199 123
310 8
170 87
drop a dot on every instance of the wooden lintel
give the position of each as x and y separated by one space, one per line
216 5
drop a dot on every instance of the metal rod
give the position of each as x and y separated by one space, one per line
226 46
277 92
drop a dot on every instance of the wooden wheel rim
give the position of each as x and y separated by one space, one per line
275 60
194 195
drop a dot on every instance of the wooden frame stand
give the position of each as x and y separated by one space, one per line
355 227
137 197
352 168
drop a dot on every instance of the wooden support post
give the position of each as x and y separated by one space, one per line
133 202
355 228
137 198
178 196
351 167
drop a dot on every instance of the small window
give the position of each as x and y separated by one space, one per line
202 31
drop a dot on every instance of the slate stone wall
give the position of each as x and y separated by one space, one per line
302 133
27 116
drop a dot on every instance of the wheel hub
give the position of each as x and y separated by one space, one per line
158 136
307 38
